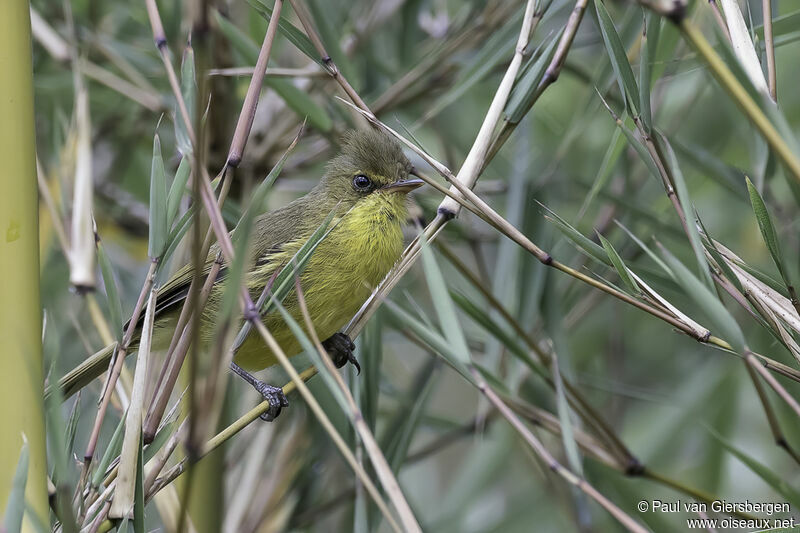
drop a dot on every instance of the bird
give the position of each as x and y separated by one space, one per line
364 188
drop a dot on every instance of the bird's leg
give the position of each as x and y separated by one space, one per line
274 395
340 349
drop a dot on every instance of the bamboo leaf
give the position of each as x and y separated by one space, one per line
771 478
114 303
294 35
243 235
767 229
743 45
718 259
313 354
241 42
688 211
189 92
138 500
158 203
301 103
371 351
324 14
15 506
707 301
619 265
159 440
112 450
176 190
479 315
581 242
564 416
525 88
619 59
647 250
284 281
444 304
409 415
614 150
405 321
645 69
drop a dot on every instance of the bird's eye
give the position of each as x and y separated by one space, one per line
362 183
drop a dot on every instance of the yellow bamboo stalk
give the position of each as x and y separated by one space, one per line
21 377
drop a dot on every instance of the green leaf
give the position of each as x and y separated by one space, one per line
708 302
189 92
243 235
371 353
717 256
688 211
619 265
114 303
404 320
767 229
241 42
72 423
176 190
301 103
581 242
524 90
644 155
645 69
408 415
313 354
294 35
564 416
614 150
112 450
138 495
15 506
713 167
619 59
775 480
647 250
284 281
324 14
485 320
158 441
158 203
444 304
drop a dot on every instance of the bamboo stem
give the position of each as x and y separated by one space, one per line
21 365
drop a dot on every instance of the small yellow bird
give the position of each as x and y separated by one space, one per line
366 187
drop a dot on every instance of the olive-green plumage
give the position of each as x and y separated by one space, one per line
366 186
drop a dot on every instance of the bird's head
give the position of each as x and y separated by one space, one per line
370 165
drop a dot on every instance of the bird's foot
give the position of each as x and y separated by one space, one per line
274 395
340 349
276 398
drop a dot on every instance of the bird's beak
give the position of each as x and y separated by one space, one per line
405 186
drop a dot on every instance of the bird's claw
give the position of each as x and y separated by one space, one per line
340 349
276 398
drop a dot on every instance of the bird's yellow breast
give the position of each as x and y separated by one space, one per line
341 274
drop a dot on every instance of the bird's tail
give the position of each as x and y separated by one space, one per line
84 373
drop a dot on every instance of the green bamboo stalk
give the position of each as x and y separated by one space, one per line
21 372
